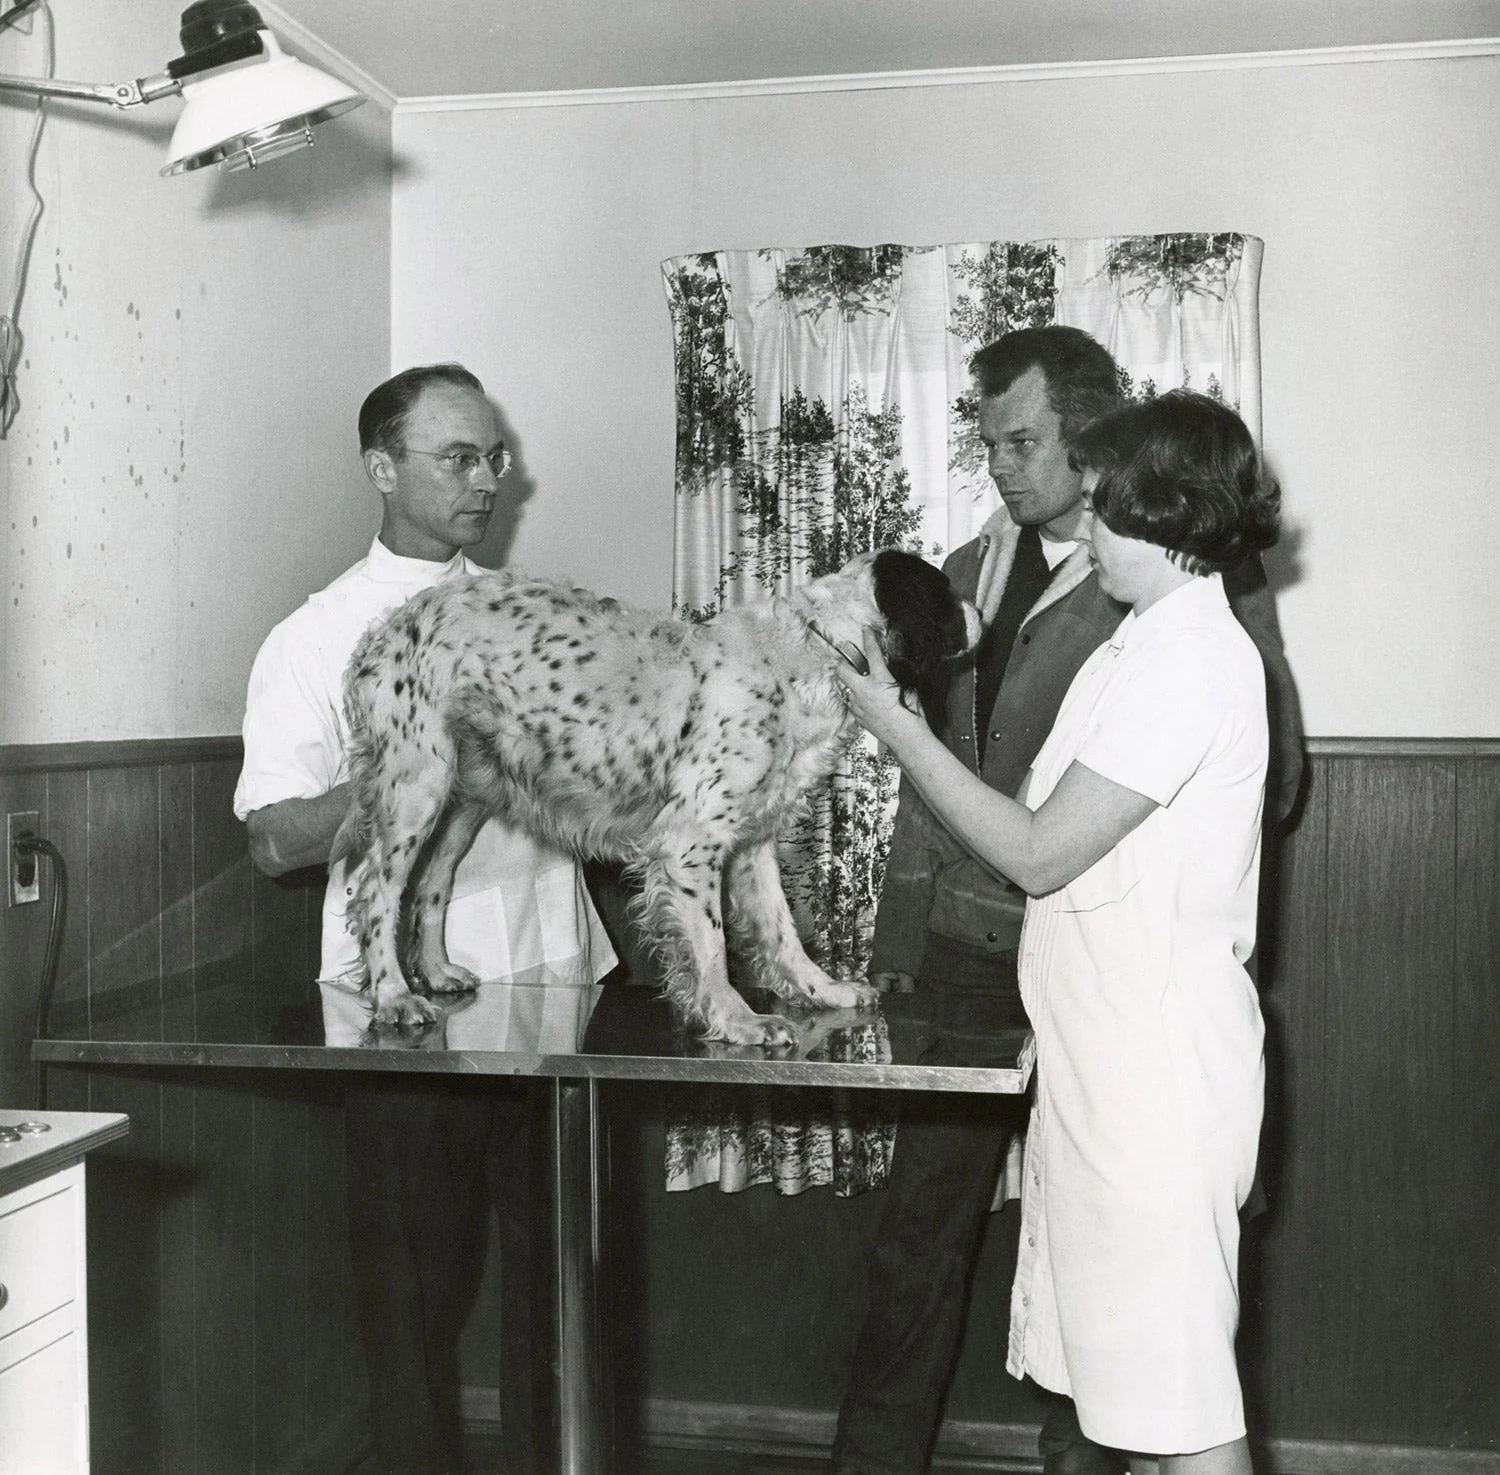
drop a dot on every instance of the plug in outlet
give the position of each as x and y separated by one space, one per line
25 873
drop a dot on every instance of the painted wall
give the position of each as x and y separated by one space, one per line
184 468
526 241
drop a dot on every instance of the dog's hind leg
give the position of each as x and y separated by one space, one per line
761 924
404 802
429 903
679 906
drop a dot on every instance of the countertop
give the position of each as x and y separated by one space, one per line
69 1135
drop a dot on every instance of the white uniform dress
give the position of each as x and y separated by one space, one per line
1149 1037
520 919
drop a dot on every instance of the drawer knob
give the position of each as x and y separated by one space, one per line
4 1295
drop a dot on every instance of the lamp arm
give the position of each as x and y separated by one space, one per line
117 94
228 49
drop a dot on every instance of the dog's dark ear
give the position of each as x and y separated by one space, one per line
926 629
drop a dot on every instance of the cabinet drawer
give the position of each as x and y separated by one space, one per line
43 1413
38 1252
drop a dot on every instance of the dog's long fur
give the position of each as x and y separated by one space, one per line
676 748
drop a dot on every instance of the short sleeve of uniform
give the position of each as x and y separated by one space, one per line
1169 707
293 745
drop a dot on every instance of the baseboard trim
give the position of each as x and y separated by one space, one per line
808 1434
1332 1457
979 1446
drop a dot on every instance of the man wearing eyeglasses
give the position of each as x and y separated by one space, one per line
424 1161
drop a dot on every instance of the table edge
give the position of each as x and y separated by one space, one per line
848 1075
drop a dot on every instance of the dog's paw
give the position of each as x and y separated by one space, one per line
449 978
827 993
767 1031
740 1027
405 1011
863 995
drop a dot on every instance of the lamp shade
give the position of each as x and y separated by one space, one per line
246 113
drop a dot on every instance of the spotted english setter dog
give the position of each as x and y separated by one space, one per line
675 748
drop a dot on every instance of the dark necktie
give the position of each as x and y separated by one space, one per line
1029 577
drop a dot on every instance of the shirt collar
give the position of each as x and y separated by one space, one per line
1000 524
1201 593
386 567
1057 551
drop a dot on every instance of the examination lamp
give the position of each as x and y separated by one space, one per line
246 100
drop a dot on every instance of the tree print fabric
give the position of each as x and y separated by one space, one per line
824 409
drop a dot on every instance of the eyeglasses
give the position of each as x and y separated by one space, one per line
466 464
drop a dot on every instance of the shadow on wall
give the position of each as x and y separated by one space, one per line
1284 561
338 172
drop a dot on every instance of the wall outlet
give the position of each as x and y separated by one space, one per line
25 870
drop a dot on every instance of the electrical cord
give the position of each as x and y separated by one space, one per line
36 845
16 13
10 333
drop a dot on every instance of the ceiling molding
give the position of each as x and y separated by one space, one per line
313 48
961 76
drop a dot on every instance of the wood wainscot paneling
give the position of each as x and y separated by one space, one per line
219 1292
1379 1305
219 1271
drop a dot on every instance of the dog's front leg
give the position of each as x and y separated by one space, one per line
432 890
679 907
765 934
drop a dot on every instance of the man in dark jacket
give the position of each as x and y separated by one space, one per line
949 926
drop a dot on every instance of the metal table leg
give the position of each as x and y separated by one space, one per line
580 1347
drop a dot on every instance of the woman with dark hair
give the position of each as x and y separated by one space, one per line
1137 840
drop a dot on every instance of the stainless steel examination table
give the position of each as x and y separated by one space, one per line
630 1037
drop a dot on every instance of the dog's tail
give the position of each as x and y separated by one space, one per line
352 840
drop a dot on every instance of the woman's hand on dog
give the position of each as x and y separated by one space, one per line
876 699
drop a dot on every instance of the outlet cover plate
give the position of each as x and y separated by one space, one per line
21 892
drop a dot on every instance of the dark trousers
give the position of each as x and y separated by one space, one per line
425 1164
947 1162
949 1152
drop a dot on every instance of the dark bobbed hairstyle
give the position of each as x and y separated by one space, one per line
383 416
1182 472
1082 379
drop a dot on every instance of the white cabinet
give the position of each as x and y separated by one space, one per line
44 1367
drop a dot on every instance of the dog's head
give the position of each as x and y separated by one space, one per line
922 623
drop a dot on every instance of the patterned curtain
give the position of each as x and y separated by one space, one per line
824 409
